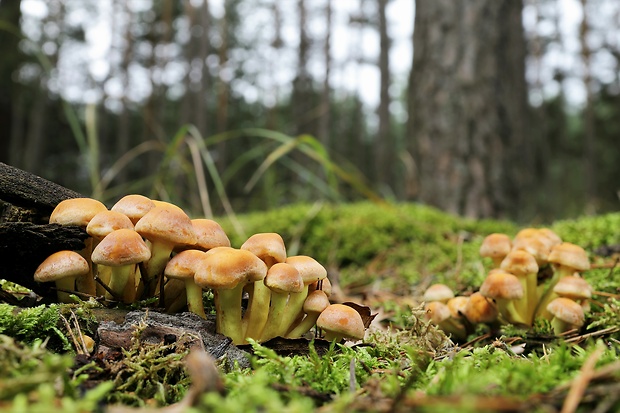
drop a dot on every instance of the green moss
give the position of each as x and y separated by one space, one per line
397 243
590 232
490 370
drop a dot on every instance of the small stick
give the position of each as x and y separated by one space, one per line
579 385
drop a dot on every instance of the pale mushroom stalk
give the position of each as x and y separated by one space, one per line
270 248
567 259
311 271
258 310
508 310
228 313
273 327
122 282
194 298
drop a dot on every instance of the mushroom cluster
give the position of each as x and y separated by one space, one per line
534 275
142 248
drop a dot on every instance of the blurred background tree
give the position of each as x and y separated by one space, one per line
506 108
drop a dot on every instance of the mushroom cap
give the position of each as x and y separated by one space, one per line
284 278
225 267
61 264
573 287
567 310
209 234
76 211
570 255
495 245
121 247
107 221
437 312
438 292
538 245
457 305
168 225
479 309
268 246
519 263
326 286
184 264
134 206
309 268
501 285
342 320
316 302
553 238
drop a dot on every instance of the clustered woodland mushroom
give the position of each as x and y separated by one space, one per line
143 248
517 290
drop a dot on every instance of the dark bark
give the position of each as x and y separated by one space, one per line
468 107
384 146
23 246
185 329
10 14
26 238
27 197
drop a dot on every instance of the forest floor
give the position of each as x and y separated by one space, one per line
382 258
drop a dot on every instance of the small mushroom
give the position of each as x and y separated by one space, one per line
339 321
567 259
311 271
268 247
523 265
480 310
79 212
183 267
505 289
439 314
566 313
438 292
62 267
165 227
122 250
133 206
226 270
314 305
495 246
283 280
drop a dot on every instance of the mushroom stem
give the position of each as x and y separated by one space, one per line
122 283
194 298
275 320
294 309
508 310
256 316
548 295
560 326
228 312
160 255
531 296
304 325
66 284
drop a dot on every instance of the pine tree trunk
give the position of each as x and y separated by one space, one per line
468 108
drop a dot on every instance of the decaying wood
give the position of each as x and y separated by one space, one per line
186 328
26 238
25 197
23 246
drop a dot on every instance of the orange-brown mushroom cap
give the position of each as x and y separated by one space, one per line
341 321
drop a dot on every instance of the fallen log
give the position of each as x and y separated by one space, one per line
26 238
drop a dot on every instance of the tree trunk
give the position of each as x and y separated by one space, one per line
467 106
12 57
324 120
384 146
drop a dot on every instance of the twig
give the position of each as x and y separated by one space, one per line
579 385
579 339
